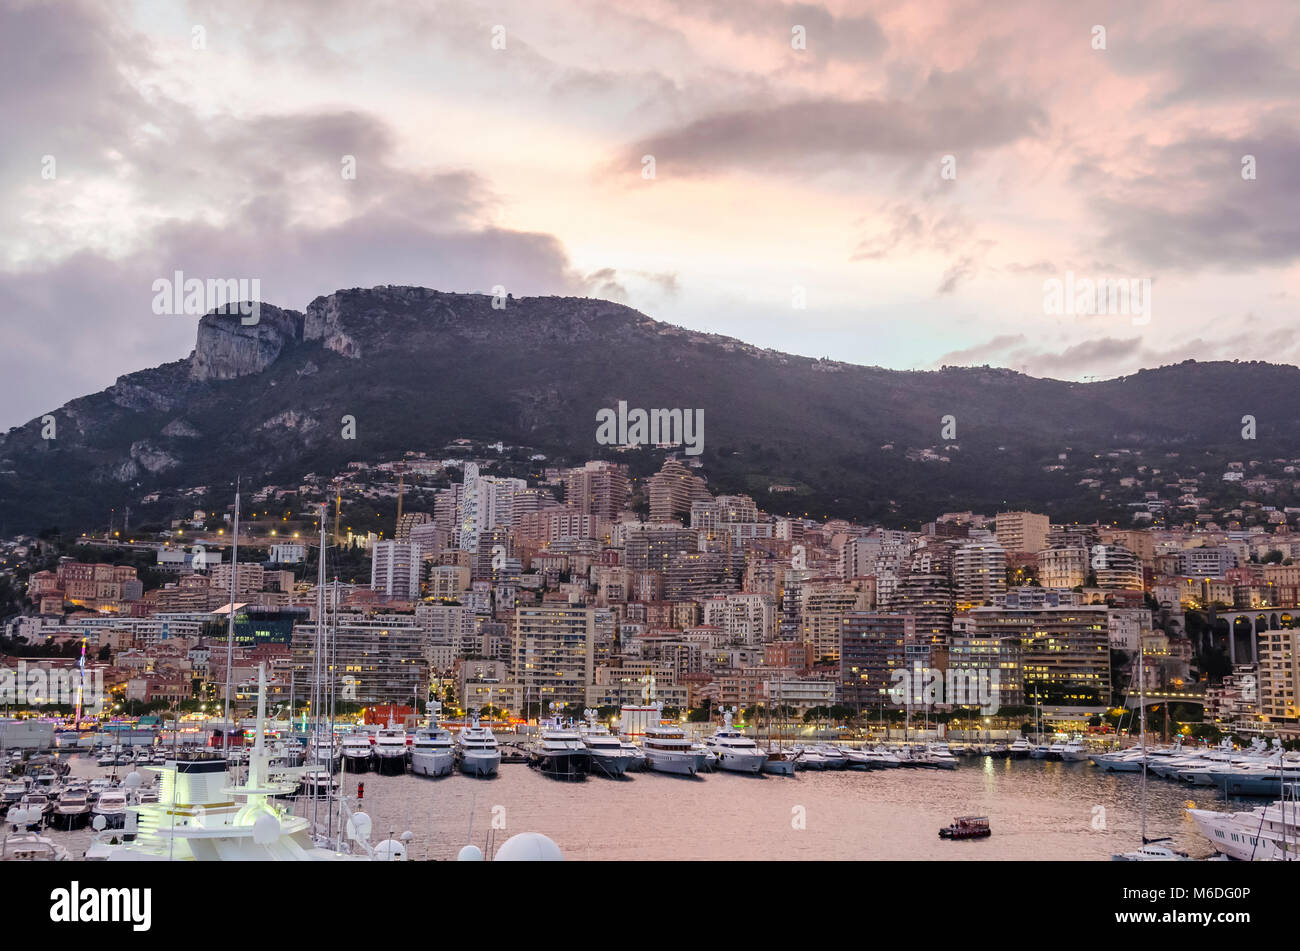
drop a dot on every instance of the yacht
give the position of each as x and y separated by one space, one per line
560 753
29 811
638 760
736 752
97 786
111 804
669 750
780 762
833 756
1265 834
939 756
30 847
1074 751
433 752
476 750
608 754
1056 749
322 750
356 752
15 790
73 807
106 758
881 758
390 750
809 758
1152 851
1020 749
1040 751
1122 761
200 818
318 781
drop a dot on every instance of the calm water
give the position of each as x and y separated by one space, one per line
1038 810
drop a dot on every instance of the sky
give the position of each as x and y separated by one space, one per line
897 184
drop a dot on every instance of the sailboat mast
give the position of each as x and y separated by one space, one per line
313 743
230 621
1142 703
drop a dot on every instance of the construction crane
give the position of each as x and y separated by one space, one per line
401 488
338 504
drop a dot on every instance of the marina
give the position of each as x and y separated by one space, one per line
843 802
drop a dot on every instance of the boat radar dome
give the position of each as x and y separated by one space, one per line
470 853
529 847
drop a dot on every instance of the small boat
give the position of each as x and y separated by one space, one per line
1152 851
967 827
73 807
30 847
780 762
112 806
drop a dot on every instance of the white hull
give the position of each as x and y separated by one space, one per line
741 761
680 764
432 762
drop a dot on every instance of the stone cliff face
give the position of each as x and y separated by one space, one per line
227 348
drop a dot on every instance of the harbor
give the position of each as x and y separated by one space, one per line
1038 808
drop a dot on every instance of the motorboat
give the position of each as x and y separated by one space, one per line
669 750
15 789
809 758
30 811
833 756
390 750
780 762
111 804
608 755
736 752
1264 834
939 756
477 751
560 752
73 807
433 752
1153 850
357 752
30 847
1020 749
1074 751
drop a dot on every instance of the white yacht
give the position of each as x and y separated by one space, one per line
30 847
608 754
357 751
1154 851
73 807
780 762
669 750
390 749
199 817
808 757
112 804
736 752
1074 751
322 750
1265 834
1020 749
939 756
476 749
433 752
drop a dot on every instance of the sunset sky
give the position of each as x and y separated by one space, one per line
775 169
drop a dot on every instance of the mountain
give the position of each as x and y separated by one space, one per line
417 368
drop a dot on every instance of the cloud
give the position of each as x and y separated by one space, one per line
815 132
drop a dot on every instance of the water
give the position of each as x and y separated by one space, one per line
1037 809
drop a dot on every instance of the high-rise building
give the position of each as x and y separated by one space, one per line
395 570
979 572
377 658
1116 568
873 644
1065 651
1022 532
1279 675
554 652
486 502
599 488
673 489
1063 567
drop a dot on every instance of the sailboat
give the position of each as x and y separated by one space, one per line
780 761
1151 850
